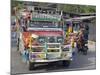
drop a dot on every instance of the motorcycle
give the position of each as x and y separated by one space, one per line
82 47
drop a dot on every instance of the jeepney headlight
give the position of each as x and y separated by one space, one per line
59 39
41 39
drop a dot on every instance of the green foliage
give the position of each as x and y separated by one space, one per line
18 4
78 8
65 7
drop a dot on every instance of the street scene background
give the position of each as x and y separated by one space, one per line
80 62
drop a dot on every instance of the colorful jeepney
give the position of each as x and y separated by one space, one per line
43 41
79 28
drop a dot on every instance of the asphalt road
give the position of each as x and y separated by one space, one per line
80 62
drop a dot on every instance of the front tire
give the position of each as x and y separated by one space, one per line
66 63
85 50
31 66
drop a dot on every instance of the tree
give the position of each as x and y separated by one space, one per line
77 8
17 4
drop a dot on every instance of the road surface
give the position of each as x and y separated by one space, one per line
80 62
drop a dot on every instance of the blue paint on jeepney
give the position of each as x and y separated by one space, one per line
25 55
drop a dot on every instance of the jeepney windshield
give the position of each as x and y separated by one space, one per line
44 24
51 39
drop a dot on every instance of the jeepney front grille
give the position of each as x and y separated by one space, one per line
53 51
53 48
50 51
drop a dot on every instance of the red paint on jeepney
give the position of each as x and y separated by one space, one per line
26 35
43 33
26 38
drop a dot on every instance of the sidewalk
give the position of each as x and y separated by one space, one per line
91 42
92 45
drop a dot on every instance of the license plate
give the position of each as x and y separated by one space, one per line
38 55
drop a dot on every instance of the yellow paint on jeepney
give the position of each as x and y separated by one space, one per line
30 43
42 55
67 34
70 29
72 43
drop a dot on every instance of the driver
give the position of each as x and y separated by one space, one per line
34 39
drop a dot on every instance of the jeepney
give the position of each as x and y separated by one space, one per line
44 41
79 25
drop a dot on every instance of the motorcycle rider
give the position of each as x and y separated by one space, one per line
80 41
